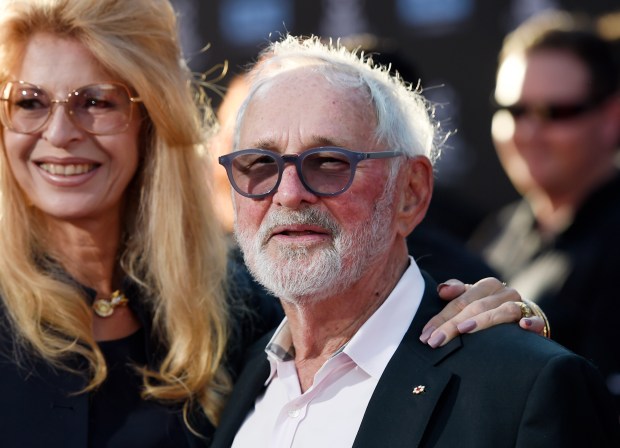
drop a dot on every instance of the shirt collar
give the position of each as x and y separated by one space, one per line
280 346
374 344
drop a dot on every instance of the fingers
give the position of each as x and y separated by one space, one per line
507 312
469 309
534 324
451 289
468 294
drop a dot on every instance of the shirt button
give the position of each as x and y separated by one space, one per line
293 413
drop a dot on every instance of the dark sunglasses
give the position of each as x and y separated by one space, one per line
324 171
549 112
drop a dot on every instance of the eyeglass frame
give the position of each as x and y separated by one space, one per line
354 157
6 121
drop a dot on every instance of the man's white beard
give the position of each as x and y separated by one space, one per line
296 274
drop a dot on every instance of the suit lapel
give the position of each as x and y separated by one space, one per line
410 388
249 385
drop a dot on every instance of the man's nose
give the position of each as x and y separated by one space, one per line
291 192
527 127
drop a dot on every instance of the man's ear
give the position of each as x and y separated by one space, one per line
416 189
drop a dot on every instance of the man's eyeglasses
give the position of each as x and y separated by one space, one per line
99 109
549 112
324 171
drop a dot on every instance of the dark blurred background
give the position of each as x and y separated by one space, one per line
452 43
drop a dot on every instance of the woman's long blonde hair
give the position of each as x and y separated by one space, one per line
172 244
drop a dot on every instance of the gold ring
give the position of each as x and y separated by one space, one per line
526 310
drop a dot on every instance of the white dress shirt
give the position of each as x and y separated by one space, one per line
330 412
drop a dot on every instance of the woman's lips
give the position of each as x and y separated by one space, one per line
67 174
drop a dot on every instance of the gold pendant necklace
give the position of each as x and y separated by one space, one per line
106 307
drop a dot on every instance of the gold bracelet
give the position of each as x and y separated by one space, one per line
540 313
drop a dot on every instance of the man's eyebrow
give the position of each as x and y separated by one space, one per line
320 140
315 142
264 143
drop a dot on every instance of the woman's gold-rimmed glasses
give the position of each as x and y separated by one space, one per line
100 109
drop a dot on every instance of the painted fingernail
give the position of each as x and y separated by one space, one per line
427 334
441 286
437 339
467 326
527 322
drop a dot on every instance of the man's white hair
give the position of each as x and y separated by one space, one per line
405 118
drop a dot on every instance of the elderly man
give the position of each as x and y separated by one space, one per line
333 170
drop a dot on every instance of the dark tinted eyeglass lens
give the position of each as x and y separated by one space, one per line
254 173
326 171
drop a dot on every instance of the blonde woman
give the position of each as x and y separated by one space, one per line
111 262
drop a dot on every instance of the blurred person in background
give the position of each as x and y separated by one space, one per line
556 131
